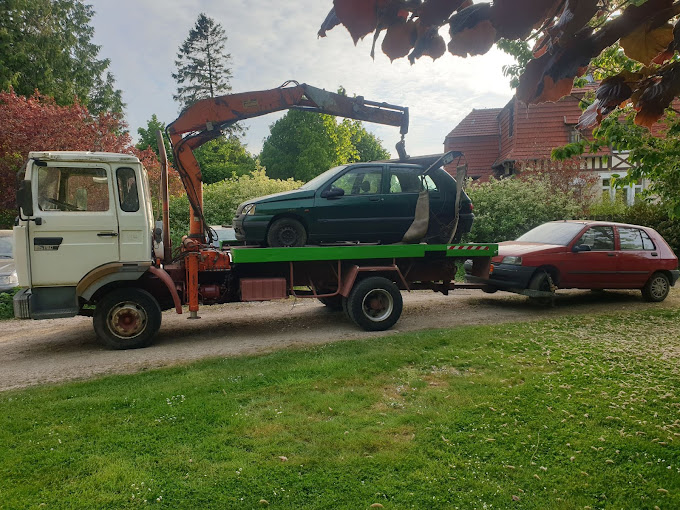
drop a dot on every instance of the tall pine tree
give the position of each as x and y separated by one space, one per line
47 45
202 64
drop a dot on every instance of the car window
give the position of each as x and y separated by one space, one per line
552 233
360 181
430 184
598 238
321 179
405 180
634 239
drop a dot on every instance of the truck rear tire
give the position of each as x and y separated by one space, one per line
127 318
375 304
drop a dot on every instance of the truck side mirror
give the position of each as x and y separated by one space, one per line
25 198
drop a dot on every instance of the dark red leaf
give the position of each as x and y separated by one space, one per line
329 23
399 39
429 43
359 16
436 12
657 96
514 19
471 31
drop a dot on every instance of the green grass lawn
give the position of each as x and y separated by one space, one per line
570 413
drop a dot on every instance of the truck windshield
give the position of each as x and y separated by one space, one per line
320 179
552 233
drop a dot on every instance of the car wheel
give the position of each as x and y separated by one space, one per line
542 282
657 288
286 232
375 304
489 290
127 319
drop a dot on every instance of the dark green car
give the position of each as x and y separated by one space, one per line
361 202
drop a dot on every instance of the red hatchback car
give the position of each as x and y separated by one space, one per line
586 255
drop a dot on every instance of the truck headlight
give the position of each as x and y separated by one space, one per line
248 210
9 279
512 261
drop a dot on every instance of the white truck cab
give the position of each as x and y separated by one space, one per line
85 221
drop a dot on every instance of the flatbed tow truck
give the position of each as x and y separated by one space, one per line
86 241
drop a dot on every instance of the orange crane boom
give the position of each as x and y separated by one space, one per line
205 120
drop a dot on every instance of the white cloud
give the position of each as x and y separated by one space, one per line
271 42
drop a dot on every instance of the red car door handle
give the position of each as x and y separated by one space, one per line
611 254
375 199
655 254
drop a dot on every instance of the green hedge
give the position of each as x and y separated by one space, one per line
6 306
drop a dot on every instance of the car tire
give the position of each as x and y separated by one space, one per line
286 232
542 281
657 288
127 318
489 290
375 304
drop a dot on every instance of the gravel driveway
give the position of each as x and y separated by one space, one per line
34 352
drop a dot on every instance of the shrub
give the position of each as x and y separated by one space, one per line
6 304
505 209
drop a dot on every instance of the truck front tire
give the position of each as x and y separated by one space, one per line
127 318
375 304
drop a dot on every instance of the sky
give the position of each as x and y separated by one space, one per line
270 42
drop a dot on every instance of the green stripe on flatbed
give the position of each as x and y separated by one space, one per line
386 251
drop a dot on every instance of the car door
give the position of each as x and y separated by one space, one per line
638 257
78 227
402 187
355 215
593 269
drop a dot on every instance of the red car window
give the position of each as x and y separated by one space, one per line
598 238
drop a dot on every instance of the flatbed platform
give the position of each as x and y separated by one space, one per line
241 255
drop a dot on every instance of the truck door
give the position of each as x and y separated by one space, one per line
76 228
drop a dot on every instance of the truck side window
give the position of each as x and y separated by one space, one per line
73 189
127 189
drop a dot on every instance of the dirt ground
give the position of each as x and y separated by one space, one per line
35 352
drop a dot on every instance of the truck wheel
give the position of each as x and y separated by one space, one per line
657 288
127 319
375 304
286 232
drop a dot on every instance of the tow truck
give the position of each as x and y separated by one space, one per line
86 242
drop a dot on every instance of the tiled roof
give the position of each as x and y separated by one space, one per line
478 123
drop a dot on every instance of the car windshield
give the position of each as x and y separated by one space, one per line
5 247
320 179
552 233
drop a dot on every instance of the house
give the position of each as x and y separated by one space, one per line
500 142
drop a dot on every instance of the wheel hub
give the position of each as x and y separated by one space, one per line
127 320
378 305
658 287
288 236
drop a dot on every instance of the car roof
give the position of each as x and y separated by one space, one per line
600 222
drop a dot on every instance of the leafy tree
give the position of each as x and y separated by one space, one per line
37 123
566 35
148 140
202 64
368 146
223 158
46 45
301 145
505 209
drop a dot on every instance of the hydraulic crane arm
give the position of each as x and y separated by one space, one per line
204 121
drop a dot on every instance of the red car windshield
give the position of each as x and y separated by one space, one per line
552 233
